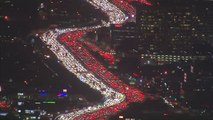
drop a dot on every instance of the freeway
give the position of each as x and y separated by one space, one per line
66 45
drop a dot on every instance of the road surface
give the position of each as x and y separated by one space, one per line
66 45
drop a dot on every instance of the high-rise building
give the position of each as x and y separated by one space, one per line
124 37
171 31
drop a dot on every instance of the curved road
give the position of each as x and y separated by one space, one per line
65 44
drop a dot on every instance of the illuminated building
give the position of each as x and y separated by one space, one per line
124 36
173 32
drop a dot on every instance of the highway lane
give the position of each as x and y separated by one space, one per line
80 62
74 66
